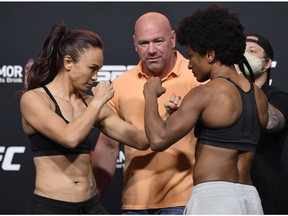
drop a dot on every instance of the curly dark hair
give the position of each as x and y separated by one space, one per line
214 28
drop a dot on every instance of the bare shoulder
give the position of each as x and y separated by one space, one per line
258 91
201 95
205 91
34 95
260 96
34 103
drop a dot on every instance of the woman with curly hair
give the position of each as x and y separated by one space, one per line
229 113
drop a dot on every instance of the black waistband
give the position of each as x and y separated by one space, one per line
65 203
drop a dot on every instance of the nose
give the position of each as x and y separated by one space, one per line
190 66
151 47
94 77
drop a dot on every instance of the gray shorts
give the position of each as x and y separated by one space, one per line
221 197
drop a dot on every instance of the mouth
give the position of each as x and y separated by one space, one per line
89 84
153 59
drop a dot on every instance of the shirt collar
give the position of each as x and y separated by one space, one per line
174 73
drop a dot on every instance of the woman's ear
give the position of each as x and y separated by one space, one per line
210 55
67 61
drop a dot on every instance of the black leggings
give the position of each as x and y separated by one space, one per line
43 205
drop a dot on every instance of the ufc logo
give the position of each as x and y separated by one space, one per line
6 157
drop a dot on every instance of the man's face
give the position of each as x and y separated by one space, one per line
255 49
154 44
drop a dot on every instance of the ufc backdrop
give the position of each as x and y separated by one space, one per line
24 27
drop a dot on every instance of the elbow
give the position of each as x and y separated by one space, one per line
158 149
158 146
71 142
143 147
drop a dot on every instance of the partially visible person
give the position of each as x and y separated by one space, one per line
269 173
154 182
60 121
229 114
27 67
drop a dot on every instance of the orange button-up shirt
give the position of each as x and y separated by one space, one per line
155 179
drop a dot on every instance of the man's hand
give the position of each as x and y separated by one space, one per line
173 104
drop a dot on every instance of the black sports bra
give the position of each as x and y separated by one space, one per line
243 135
43 146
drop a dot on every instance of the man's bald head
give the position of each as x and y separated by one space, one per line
154 41
152 19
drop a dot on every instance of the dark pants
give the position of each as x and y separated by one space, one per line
43 205
166 211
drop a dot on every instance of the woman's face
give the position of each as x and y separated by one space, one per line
85 72
198 64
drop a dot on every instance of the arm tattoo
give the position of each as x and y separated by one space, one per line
276 119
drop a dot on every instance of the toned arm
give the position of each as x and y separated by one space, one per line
116 128
38 115
161 134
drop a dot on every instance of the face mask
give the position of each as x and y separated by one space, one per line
255 64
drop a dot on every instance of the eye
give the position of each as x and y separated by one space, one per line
95 69
143 43
188 55
251 50
159 41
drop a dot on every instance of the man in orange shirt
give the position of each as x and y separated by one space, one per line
154 182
